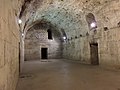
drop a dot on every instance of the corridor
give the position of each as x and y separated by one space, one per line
59 74
60 45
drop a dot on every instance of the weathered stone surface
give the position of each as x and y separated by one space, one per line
37 39
67 17
9 44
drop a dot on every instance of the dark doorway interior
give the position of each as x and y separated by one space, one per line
44 53
94 54
49 34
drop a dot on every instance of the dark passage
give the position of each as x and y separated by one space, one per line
44 53
94 54
49 34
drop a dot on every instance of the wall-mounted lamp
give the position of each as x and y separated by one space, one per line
93 25
19 21
64 38
22 34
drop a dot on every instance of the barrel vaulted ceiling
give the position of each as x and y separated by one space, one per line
64 15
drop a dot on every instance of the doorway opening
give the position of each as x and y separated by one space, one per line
94 53
44 53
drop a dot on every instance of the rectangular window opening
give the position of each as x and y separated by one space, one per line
49 34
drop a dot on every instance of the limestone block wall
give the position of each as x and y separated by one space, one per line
77 50
107 15
109 47
70 16
9 44
109 40
37 39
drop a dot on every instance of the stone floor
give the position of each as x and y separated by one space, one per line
62 75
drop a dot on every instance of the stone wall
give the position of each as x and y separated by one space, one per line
37 39
106 35
69 16
9 44
109 40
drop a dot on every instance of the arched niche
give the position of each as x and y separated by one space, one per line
92 24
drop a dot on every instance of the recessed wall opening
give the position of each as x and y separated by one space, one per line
44 53
49 34
94 53
92 24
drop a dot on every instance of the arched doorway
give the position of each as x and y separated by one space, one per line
94 53
92 24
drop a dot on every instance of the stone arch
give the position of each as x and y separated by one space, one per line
90 18
60 32
38 31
